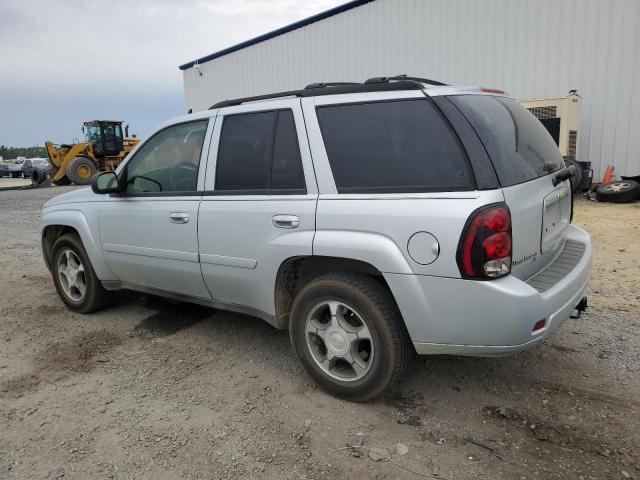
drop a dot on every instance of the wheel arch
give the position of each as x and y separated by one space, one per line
60 222
295 272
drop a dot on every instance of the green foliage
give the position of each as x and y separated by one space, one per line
11 153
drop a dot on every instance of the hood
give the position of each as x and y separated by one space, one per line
75 196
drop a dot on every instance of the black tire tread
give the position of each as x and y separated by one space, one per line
576 181
73 165
97 298
618 197
382 300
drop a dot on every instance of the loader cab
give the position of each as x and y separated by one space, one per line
105 136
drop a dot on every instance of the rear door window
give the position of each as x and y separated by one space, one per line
259 152
392 146
520 148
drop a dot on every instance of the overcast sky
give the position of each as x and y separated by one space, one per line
66 61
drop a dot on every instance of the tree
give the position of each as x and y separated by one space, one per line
11 153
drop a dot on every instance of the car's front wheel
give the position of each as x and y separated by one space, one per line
348 334
74 278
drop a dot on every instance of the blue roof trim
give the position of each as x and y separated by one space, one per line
279 31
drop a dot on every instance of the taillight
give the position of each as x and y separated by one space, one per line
484 251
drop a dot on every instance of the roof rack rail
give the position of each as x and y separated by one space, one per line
239 101
327 89
404 77
329 84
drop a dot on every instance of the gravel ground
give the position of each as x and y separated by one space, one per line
8 182
154 389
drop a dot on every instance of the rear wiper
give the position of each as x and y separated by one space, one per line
568 172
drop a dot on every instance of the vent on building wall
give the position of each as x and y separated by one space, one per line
561 117
573 142
544 112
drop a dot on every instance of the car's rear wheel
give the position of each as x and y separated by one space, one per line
74 278
348 334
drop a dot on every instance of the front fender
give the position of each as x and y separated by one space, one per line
76 219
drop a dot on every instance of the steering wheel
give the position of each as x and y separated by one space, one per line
180 182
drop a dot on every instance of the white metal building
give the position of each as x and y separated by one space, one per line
530 48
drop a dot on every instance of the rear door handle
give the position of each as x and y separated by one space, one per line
179 217
286 221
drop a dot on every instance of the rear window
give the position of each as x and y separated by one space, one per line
393 146
520 148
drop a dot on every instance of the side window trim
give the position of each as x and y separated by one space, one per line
121 172
212 163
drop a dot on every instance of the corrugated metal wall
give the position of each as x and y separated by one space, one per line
529 48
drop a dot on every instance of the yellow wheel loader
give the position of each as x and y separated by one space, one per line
105 147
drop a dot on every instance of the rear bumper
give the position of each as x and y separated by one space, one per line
491 318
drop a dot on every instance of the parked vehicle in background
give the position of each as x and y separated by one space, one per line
15 169
4 170
31 163
372 220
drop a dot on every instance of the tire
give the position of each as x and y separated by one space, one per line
38 177
68 251
361 299
14 175
576 181
80 170
618 192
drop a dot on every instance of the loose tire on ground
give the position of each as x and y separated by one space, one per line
365 300
38 176
80 170
618 192
79 288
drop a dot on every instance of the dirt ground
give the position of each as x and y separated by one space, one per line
160 390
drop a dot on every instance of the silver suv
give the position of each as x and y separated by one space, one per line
372 220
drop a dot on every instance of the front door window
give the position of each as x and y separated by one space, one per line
169 161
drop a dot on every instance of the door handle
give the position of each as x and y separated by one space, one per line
179 217
286 221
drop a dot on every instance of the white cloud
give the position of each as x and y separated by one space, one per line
122 44
64 60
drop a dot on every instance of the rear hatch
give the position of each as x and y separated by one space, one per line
526 161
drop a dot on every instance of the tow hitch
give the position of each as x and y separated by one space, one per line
580 307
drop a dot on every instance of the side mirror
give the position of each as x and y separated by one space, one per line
105 182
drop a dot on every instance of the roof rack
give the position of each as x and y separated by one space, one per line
403 77
330 89
329 84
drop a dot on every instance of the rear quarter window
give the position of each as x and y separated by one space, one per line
519 146
393 146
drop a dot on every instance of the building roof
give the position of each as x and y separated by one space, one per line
279 31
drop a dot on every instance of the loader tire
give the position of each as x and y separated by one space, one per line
80 170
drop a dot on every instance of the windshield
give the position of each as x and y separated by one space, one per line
92 131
